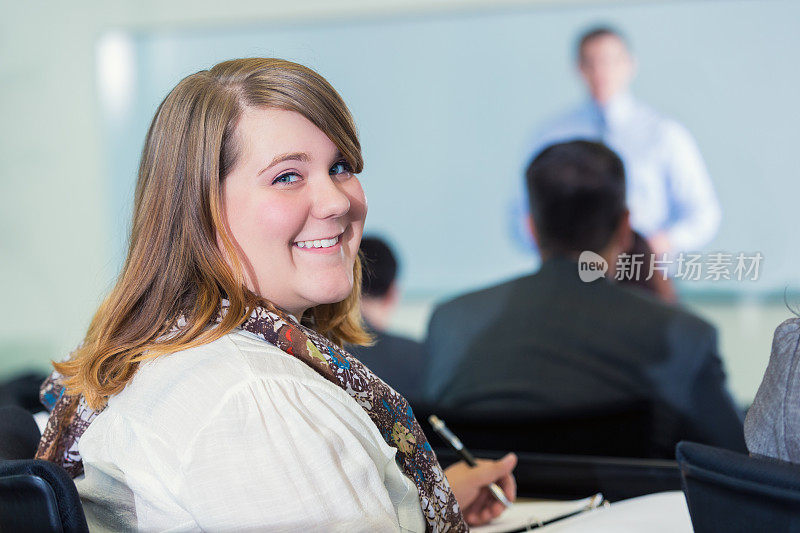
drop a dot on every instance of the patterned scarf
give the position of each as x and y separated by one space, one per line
388 410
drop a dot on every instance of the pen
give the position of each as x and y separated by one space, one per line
446 434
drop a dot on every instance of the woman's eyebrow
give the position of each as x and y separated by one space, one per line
293 156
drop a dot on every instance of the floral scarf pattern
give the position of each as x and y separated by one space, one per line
388 410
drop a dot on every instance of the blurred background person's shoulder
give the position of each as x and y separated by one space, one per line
772 426
395 359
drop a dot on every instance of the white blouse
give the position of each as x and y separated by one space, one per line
238 435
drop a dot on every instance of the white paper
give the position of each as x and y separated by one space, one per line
662 512
524 514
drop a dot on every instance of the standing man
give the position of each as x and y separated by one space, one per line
670 196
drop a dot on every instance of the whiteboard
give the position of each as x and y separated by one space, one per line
447 104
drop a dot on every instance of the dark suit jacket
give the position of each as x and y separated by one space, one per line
550 342
396 360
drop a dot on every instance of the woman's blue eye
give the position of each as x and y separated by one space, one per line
341 167
286 178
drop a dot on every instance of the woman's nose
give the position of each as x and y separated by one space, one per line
329 198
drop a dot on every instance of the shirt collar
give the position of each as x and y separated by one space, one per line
617 110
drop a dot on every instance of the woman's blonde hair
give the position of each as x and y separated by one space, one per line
174 265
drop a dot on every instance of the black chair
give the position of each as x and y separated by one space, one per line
23 390
566 477
619 430
729 491
34 495
39 496
19 434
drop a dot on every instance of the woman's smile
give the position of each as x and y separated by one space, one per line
322 244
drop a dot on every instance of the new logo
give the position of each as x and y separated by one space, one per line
591 266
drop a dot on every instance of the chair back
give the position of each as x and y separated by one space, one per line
568 477
34 495
39 496
23 390
19 434
619 430
730 491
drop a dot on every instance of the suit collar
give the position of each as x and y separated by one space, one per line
564 269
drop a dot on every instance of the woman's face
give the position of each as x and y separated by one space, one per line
294 210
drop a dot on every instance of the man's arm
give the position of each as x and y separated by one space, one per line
713 417
695 211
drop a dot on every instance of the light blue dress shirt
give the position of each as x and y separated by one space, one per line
668 187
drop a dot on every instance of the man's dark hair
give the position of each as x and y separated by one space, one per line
379 267
577 196
596 32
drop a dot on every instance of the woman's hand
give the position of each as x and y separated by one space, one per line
470 487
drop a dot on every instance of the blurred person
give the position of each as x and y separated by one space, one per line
396 359
22 390
670 195
211 391
772 425
550 342
659 284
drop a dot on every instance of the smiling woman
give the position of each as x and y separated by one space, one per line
212 391
298 221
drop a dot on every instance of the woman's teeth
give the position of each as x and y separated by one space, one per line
321 243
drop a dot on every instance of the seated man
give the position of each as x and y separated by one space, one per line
549 342
394 359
